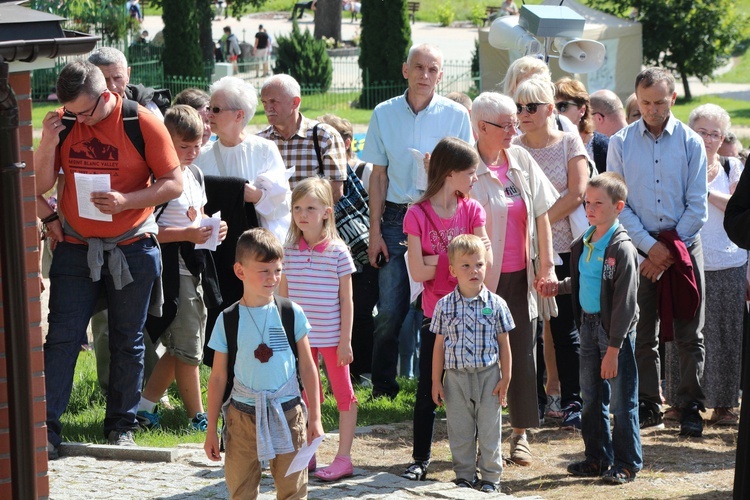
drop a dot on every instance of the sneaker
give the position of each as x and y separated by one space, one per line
488 487
571 419
53 453
553 409
416 471
121 438
199 422
520 451
147 420
586 468
691 424
649 416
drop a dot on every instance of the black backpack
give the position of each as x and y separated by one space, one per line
129 121
231 324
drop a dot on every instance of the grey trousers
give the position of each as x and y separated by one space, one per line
474 417
688 337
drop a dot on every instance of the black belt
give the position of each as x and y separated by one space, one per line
250 409
397 206
591 316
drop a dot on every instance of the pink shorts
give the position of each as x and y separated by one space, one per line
338 378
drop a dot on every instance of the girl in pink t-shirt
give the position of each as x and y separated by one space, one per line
318 276
441 214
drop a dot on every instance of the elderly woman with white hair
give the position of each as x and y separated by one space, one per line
725 267
237 153
516 196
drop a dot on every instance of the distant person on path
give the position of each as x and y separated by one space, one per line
262 50
301 6
417 120
109 244
264 417
603 285
508 8
231 50
666 160
471 326
135 11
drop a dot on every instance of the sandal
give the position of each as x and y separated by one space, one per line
618 475
724 416
340 468
586 468
416 471
312 464
463 483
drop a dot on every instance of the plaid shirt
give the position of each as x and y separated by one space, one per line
470 327
299 151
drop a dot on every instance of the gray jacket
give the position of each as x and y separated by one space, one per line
619 295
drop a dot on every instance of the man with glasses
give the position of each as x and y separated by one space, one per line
664 165
607 112
106 203
281 97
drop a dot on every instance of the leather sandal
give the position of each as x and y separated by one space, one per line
416 471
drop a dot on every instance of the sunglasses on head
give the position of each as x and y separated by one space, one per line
563 106
531 107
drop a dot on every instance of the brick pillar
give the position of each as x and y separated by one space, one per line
21 84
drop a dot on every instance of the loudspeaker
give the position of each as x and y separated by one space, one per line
579 55
505 33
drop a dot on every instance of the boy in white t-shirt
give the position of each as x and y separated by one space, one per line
182 326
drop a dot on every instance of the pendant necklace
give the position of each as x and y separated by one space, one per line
191 212
263 352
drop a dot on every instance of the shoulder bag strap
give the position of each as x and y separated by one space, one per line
316 143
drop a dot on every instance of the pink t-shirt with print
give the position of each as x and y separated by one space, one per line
514 246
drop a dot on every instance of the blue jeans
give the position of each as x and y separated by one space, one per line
393 304
600 397
408 341
73 297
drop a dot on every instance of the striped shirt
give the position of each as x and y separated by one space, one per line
312 276
299 151
471 327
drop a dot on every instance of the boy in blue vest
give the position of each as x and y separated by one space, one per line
604 284
264 418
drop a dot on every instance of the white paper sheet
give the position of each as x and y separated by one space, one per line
213 241
421 181
304 455
85 185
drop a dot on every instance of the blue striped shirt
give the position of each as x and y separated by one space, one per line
471 327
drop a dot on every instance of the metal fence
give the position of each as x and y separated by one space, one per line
347 84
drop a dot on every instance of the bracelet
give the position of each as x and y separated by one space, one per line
51 218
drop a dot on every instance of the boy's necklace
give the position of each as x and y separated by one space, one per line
263 352
191 212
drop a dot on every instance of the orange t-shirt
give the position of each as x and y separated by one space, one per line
106 149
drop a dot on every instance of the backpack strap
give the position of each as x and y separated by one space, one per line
286 311
316 143
725 163
132 126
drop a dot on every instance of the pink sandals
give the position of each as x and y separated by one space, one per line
340 468
312 465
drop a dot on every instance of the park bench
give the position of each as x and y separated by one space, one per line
412 8
489 14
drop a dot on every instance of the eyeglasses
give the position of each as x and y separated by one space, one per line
530 107
563 106
85 114
507 127
714 136
216 110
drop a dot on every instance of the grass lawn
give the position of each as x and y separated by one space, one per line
83 420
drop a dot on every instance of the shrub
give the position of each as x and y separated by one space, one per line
446 14
477 15
304 58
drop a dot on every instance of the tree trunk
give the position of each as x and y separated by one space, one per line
685 84
328 19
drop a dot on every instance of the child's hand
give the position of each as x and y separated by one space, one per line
314 430
609 363
198 235
501 391
211 447
222 230
344 354
438 394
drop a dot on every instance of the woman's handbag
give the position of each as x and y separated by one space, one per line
352 211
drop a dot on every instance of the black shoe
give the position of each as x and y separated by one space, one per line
417 471
586 468
488 487
53 452
649 416
463 483
378 394
691 424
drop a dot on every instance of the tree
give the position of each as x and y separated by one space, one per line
182 51
328 19
304 58
385 42
689 37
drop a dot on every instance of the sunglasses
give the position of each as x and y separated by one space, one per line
563 106
86 114
531 107
507 127
216 110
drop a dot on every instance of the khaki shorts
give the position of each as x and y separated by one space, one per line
184 338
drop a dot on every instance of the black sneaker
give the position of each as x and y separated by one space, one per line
571 419
648 416
691 424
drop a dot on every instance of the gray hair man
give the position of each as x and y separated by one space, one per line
607 112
